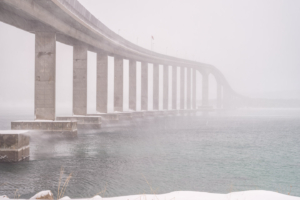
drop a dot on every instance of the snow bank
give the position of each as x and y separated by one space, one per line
187 195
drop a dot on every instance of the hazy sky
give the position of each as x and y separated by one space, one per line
255 43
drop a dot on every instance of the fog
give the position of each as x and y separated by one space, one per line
255 44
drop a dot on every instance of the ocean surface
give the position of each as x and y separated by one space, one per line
216 152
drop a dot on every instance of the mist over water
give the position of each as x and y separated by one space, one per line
219 152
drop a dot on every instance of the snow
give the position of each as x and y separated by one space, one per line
42 194
97 197
189 195
65 198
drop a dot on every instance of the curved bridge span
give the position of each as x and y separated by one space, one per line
67 21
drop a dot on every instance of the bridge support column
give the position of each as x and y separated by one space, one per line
155 87
194 99
45 64
132 85
219 95
188 82
174 87
118 86
144 86
205 89
79 80
182 89
166 87
102 82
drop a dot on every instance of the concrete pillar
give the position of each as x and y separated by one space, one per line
45 62
174 87
102 82
188 87
219 95
182 89
194 99
205 89
118 86
144 86
132 84
155 87
79 80
166 87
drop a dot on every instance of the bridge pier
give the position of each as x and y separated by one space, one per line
102 82
174 87
188 83
79 80
144 86
182 88
194 92
166 87
119 84
155 87
45 64
14 146
205 89
132 85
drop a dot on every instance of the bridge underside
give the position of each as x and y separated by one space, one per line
68 22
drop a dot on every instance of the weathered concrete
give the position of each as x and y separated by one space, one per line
57 128
166 87
150 113
132 85
125 115
14 146
119 84
138 114
155 87
79 80
188 87
219 95
107 117
102 82
91 122
144 86
182 89
45 62
174 87
205 76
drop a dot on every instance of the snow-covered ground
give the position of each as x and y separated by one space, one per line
189 195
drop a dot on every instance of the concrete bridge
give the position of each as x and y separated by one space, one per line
68 22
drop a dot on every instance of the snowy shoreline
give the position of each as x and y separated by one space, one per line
186 195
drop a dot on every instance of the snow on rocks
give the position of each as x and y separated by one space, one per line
3 197
65 198
46 194
97 197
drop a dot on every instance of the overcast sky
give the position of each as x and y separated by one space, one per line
255 43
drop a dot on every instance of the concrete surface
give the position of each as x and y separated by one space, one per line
14 145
